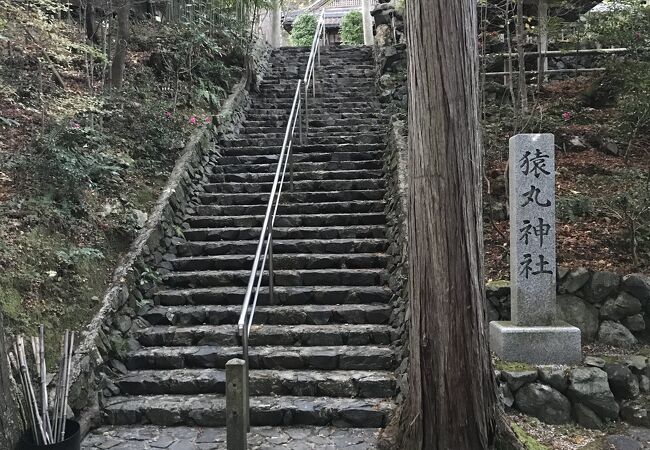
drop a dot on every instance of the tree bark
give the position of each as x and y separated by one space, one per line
10 427
521 52
448 336
121 46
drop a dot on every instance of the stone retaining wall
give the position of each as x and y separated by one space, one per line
396 232
608 308
601 391
96 359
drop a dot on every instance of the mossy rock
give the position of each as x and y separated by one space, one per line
526 440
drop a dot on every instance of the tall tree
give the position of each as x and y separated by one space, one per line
452 396
9 418
121 45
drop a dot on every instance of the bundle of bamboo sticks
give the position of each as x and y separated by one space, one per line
47 421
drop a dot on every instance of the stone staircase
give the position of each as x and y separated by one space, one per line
321 354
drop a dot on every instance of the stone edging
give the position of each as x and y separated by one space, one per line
131 288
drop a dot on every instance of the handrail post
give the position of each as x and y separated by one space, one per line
307 110
271 265
236 404
300 124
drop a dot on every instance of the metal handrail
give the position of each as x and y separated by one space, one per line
264 251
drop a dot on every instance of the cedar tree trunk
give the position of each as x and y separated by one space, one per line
451 402
119 59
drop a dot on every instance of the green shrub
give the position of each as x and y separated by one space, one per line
303 30
352 28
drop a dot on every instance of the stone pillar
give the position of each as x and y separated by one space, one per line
534 335
368 38
276 24
532 229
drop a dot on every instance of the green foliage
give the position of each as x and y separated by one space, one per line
571 208
71 258
303 30
626 23
10 302
352 28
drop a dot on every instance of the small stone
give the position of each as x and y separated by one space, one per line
602 285
123 323
638 364
543 402
622 381
586 417
635 413
616 442
616 335
644 384
589 386
575 280
516 380
140 218
579 313
593 361
634 323
638 285
556 378
505 395
622 306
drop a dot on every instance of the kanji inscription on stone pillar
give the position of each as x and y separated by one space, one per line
532 229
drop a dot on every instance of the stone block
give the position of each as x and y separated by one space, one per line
558 344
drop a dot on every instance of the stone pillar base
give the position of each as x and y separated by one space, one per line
559 344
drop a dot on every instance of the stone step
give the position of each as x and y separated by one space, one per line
149 437
291 197
223 241
316 111
293 208
206 410
282 295
358 138
262 118
298 185
297 176
311 148
308 383
289 220
283 261
277 123
318 105
363 357
378 314
314 131
287 335
282 277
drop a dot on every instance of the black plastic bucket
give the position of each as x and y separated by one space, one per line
72 439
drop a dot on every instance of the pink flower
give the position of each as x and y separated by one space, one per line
566 116
75 125
637 36
168 114
192 120
207 119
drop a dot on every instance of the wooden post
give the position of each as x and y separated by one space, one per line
276 33
236 426
368 38
542 42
